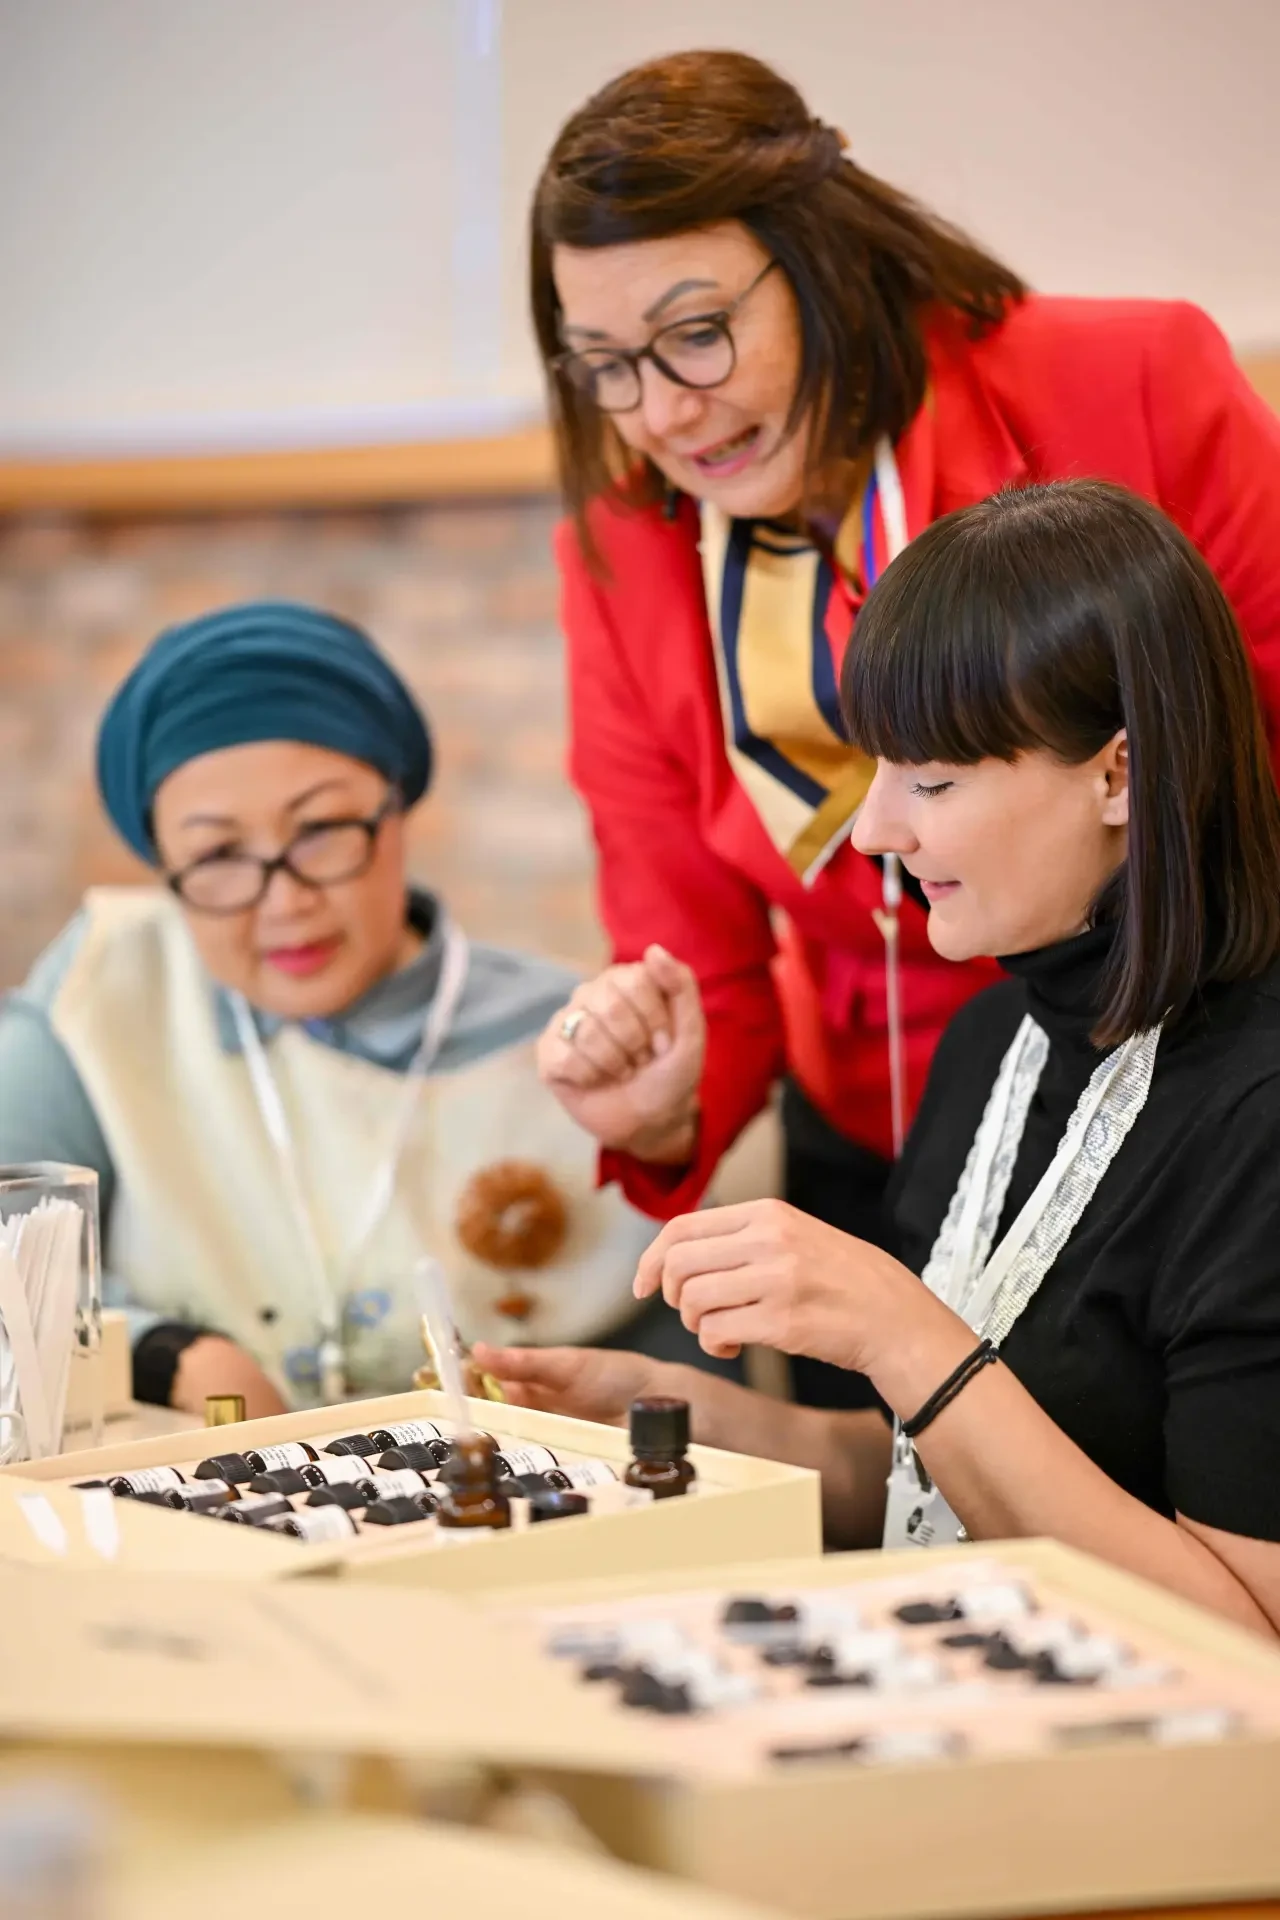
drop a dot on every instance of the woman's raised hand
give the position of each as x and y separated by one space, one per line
764 1274
624 1057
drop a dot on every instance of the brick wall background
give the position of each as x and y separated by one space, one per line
463 599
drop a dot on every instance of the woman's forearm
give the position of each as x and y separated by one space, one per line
849 1450
1010 1472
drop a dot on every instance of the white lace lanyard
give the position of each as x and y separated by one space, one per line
893 514
327 1287
989 1290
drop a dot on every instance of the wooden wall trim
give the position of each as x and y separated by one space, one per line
514 463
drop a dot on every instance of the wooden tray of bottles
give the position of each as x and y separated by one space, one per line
946 1784
739 1507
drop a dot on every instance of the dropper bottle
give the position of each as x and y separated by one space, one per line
660 1441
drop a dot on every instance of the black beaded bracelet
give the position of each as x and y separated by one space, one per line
982 1356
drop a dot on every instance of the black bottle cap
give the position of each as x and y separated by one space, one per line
361 1443
414 1453
209 1499
283 1480
400 1511
255 1509
225 1466
88 1483
162 1497
659 1427
348 1494
525 1486
557 1506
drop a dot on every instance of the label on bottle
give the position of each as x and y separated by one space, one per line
255 1506
588 1473
318 1523
395 1485
408 1433
529 1459
342 1469
206 1490
149 1479
290 1453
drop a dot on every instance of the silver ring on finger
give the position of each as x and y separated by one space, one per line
570 1024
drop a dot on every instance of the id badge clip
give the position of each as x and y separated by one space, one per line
916 1513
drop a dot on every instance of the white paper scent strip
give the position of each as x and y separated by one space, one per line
25 1382
44 1521
437 1313
39 1292
101 1520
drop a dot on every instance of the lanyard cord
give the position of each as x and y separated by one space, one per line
886 486
271 1110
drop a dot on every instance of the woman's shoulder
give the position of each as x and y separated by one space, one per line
1062 328
638 545
1229 1042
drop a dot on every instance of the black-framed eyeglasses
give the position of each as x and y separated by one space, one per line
695 352
321 855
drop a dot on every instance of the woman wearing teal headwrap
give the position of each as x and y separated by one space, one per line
292 1073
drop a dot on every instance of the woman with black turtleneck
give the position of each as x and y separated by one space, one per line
1071 761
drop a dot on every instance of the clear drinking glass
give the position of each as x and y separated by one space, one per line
51 1386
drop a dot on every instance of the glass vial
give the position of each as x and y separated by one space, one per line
406 1434
145 1480
315 1523
223 1409
659 1443
470 1485
290 1453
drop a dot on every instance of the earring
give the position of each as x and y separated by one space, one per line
670 502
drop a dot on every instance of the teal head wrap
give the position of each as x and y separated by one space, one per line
268 670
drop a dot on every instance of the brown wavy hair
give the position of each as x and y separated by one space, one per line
1050 617
698 138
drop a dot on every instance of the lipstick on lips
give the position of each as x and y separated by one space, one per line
729 456
300 961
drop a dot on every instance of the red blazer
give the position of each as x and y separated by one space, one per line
1141 392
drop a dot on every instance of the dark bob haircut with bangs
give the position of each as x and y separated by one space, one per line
1049 619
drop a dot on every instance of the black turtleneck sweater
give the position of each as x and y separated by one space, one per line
1154 1339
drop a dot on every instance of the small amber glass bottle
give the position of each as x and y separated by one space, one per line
470 1483
659 1442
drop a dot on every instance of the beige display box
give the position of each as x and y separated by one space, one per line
216 1677
47 1524
329 1870
743 1508
1044 1832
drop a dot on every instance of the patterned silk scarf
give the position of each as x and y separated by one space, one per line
781 616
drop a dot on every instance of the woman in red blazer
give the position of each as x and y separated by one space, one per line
768 371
